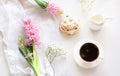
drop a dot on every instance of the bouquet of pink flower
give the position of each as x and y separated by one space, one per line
52 8
27 45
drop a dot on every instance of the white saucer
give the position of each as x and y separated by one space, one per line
82 62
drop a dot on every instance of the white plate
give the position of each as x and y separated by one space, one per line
83 63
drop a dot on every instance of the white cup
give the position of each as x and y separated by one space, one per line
83 63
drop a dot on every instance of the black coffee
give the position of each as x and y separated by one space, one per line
89 52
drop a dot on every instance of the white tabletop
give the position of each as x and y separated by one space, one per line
108 37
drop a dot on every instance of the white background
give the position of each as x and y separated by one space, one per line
108 37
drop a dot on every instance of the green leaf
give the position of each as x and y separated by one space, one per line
41 3
21 51
27 51
30 48
34 54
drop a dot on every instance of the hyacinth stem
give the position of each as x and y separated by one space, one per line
43 4
36 70
36 65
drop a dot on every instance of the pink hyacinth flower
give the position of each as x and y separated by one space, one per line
31 32
53 9
29 55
